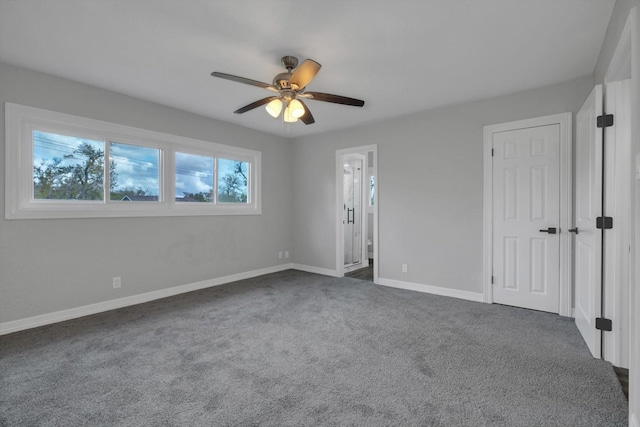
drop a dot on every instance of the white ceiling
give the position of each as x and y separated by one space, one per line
399 56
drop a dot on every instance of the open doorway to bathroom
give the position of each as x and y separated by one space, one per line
354 217
356 228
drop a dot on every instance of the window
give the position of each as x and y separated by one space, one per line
67 167
232 181
134 173
194 178
372 191
64 166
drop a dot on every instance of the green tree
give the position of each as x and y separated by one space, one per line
113 176
80 180
229 188
239 169
232 187
200 197
47 179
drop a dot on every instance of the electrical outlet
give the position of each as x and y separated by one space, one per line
280 254
286 254
117 282
404 268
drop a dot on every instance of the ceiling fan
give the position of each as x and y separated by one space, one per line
290 88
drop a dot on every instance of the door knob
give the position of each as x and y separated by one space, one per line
573 230
550 230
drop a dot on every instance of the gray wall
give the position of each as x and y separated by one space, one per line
429 193
614 30
429 186
51 265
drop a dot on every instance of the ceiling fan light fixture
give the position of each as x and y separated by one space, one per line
296 109
288 117
274 108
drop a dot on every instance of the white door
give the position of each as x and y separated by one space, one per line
526 217
588 240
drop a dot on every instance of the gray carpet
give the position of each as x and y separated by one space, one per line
294 349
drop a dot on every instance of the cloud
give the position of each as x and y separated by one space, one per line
194 174
136 166
192 184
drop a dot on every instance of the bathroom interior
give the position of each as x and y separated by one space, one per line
358 203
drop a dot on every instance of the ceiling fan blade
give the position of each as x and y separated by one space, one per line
306 118
255 104
245 81
336 99
304 73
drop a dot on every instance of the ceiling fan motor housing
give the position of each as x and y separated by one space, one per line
281 81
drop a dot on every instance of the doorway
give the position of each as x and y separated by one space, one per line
527 211
356 212
354 217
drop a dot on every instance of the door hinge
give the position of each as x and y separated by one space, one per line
603 324
604 121
604 222
492 152
492 280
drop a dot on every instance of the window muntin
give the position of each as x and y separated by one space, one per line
194 178
134 173
232 181
67 167
21 180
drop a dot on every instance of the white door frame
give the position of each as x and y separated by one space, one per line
566 203
617 242
633 33
625 63
365 149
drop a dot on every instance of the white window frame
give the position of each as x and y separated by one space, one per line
21 121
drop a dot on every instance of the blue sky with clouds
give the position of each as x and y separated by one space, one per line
136 167
194 174
47 146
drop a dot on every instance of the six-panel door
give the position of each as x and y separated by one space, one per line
526 210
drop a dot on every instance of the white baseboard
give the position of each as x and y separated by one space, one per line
72 313
429 289
316 270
